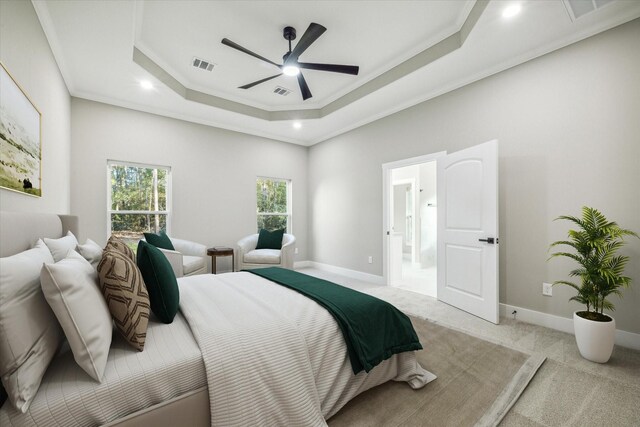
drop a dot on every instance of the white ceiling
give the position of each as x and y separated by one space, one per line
94 41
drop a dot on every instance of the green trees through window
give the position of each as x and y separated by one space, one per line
273 204
139 199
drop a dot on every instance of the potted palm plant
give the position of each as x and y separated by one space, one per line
600 272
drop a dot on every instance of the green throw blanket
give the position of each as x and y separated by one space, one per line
374 330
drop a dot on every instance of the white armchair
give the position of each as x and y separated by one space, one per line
188 259
250 257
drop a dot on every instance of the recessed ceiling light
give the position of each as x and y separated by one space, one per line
511 11
146 84
297 125
290 70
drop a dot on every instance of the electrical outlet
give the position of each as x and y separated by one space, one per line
547 289
295 251
370 260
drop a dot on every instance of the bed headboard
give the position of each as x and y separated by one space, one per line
20 230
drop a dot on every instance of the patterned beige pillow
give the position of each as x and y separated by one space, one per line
126 295
120 246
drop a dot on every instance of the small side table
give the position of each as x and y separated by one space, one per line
217 251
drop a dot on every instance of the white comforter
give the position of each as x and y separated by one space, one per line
273 356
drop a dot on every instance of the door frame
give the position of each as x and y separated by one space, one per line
387 187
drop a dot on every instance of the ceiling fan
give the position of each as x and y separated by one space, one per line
290 65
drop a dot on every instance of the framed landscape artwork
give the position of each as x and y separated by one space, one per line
20 139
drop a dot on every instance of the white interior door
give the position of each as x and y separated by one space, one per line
467 183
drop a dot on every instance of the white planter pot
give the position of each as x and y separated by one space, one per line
595 339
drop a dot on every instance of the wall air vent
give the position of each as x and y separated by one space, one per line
579 8
282 91
202 64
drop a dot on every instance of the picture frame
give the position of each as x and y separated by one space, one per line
20 139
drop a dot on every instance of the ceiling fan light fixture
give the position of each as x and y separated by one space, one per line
146 84
290 65
511 11
291 70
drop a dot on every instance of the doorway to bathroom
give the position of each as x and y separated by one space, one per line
412 224
464 207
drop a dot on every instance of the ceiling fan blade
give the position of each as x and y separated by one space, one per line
334 68
250 85
313 32
304 88
236 46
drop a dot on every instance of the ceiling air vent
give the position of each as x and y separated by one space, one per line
202 64
281 91
579 8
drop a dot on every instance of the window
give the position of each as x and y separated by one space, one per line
139 199
273 204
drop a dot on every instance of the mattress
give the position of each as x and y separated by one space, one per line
170 366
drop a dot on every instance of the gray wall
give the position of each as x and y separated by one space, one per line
213 172
25 52
568 125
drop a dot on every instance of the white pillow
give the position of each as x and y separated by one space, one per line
91 251
71 288
60 247
29 332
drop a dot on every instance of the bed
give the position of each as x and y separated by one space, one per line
241 350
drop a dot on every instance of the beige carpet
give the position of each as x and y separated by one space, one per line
560 395
478 381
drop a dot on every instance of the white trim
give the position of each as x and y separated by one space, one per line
413 160
628 339
564 324
386 195
42 11
353 274
301 264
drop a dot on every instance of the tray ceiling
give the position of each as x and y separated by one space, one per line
407 51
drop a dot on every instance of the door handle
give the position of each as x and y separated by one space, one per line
489 240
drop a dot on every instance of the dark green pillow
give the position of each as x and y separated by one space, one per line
161 282
160 240
270 239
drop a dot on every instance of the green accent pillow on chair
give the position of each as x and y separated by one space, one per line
270 239
162 286
160 240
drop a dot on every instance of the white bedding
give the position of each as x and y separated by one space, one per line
268 355
273 356
170 366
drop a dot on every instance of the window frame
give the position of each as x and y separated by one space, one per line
289 213
166 212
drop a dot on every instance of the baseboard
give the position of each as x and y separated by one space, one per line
301 264
564 324
353 274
